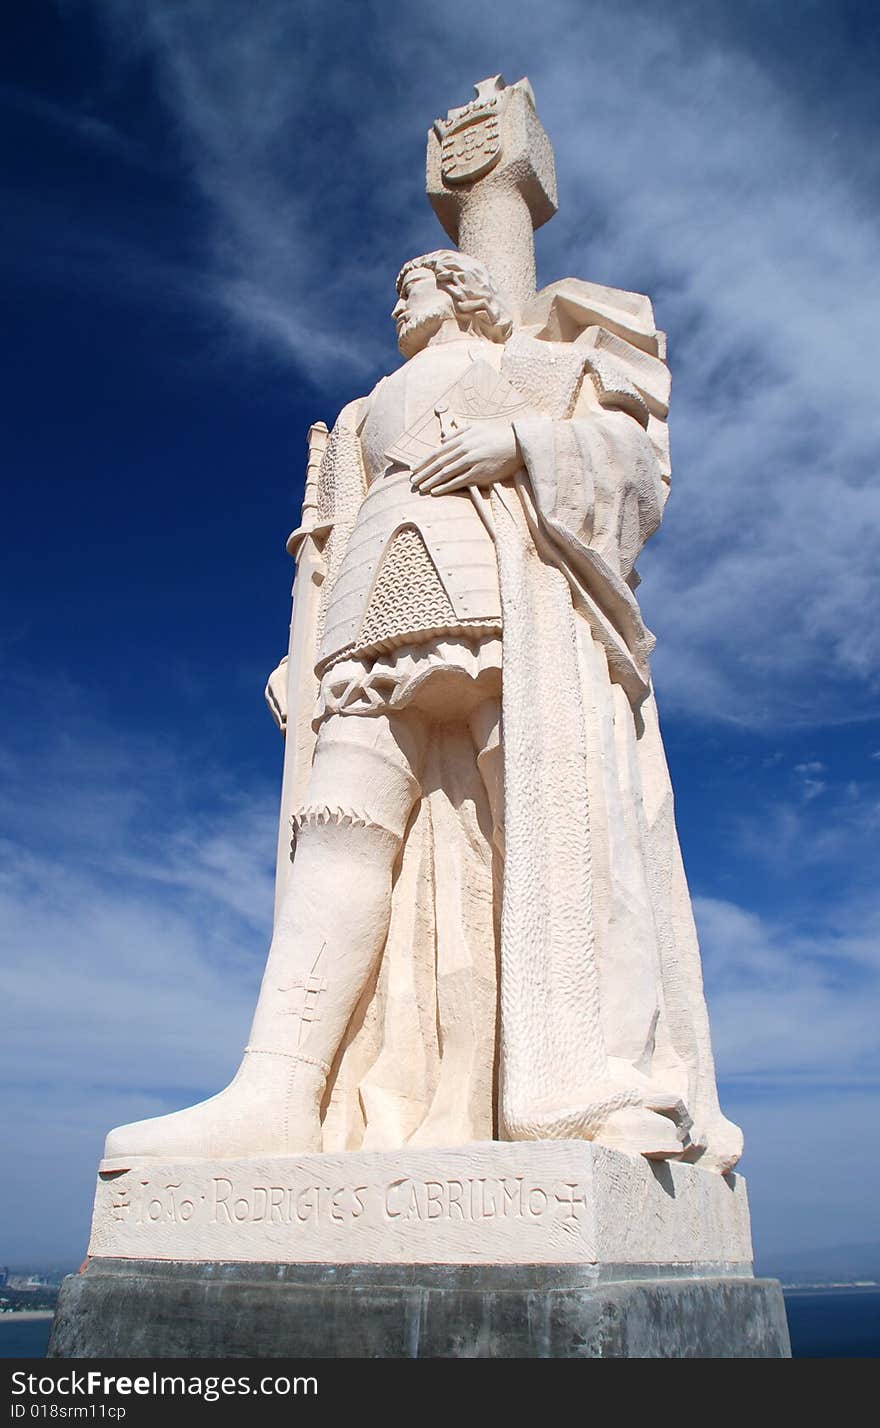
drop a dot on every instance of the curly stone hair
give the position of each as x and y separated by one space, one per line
469 284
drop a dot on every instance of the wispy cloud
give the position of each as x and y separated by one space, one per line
811 780
136 894
88 129
136 889
284 157
712 186
800 834
689 168
793 1005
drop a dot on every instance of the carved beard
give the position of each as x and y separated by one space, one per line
412 336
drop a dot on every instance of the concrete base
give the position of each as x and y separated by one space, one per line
126 1308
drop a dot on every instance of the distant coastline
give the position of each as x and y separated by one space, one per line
830 1285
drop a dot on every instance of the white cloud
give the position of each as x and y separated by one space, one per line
791 1005
717 190
794 838
136 894
686 168
120 987
136 891
811 785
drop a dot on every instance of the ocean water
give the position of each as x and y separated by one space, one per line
23 1338
824 1324
834 1323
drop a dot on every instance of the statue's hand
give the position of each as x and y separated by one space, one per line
470 456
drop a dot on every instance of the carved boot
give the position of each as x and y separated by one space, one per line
331 927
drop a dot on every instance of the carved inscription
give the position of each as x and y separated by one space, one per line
141 1202
505 1202
509 1197
285 1204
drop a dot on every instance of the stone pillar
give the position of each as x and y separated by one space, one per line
492 182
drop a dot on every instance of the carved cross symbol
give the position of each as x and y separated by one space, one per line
120 1204
571 1201
311 987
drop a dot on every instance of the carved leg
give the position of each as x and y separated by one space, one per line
330 929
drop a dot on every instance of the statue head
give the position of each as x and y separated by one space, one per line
446 285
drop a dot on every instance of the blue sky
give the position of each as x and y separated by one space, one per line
205 206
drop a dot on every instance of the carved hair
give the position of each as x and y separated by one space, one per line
477 302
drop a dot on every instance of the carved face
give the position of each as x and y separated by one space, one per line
420 311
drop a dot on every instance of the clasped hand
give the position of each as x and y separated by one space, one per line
469 456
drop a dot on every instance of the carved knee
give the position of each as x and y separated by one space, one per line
364 776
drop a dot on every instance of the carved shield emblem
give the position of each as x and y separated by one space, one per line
471 148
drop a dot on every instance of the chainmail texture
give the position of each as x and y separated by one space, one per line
408 595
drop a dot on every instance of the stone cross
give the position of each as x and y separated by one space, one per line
492 182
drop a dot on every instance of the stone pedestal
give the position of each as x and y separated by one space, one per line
493 1202
161 1309
532 1249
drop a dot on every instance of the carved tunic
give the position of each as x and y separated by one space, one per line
415 565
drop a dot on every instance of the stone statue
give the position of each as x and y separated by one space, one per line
483 930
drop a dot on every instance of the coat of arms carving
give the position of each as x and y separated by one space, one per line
470 137
470 148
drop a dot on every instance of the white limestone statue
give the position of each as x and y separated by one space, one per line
484 931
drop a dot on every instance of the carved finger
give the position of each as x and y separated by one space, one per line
459 468
440 468
428 482
455 483
437 457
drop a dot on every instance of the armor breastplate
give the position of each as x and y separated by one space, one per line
415 564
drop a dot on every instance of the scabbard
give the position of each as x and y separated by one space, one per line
305 544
